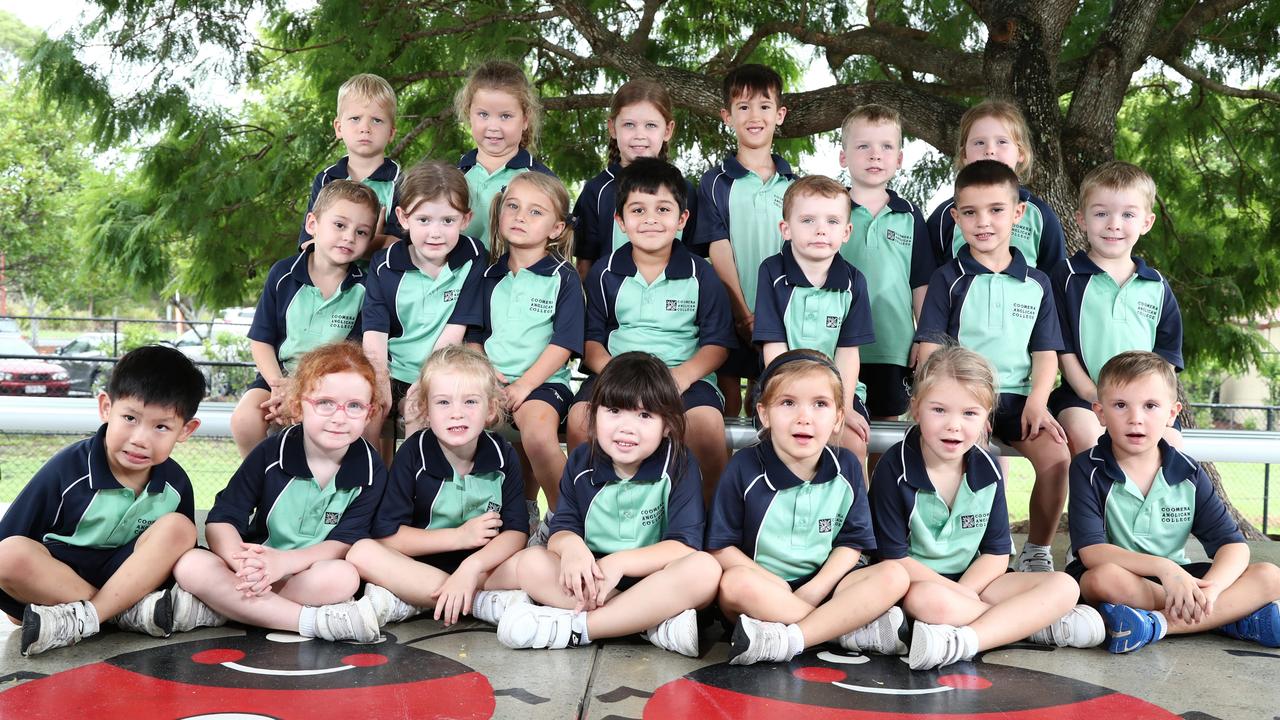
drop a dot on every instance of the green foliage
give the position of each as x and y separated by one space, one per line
135 335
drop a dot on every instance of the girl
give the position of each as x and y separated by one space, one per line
789 523
279 530
640 124
623 555
939 508
422 293
452 518
501 109
996 130
532 309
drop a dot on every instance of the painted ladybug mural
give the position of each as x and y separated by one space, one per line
259 675
836 685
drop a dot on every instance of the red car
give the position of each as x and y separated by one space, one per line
29 377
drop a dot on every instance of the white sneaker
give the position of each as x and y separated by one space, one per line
879 635
190 612
1082 627
679 634
45 627
934 646
347 621
536 626
152 615
387 606
490 605
756 641
1034 560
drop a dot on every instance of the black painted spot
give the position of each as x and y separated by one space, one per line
622 692
522 695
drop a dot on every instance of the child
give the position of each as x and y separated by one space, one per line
307 301
501 108
890 245
789 522
991 301
279 531
641 124
99 527
532 309
1108 300
365 124
452 518
653 294
624 550
1134 501
740 201
810 297
422 293
939 507
996 130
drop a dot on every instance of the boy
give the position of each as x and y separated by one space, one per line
308 300
1109 301
991 301
653 294
809 297
740 206
99 527
1134 501
890 245
365 124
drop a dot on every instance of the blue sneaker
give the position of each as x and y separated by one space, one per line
1129 629
1261 626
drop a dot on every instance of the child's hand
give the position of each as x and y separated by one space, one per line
1211 592
810 594
858 425
453 598
514 395
745 325
411 408
1036 418
606 584
260 568
913 356
1184 598
479 530
382 397
682 383
580 576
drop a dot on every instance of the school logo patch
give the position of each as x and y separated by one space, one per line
492 507
676 305
825 525
974 521
833 321
331 518
1023 311
671 305
1176 515
339 321
449 296
897 238
1147 310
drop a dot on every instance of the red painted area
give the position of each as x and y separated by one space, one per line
820 674
687 698
965 682
104 691
217 657
365 659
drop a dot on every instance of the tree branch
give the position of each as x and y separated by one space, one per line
640 37
479 23
439 118
1208 83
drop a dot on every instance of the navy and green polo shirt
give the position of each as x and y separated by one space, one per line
912 521
383 183
789 309
1038 235
735 204
1101 320
75 499
413 308
663 501
683 309
1106 507
484 185
425 492
595 234
525 312
293 317
892 251
1002 316
787 525
273 499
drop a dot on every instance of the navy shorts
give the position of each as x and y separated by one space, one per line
1006 422
94 565
1064 396
1076 569
446 561
861 409
557 395
259 383
699 394
887 394
743 362
399 390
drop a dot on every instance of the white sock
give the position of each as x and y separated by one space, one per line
579 625
307 621
795 640
1162 624
91 622
968 639
1029 547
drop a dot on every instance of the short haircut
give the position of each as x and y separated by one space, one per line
872 114
348 190
1132 365
336 357
1007 113
434 180
988 173
750 80
813 186
634 92
158 375
961 365
509 78
470 363
648 175
1115 176
562 244
368 86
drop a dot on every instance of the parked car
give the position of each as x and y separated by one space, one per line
88 377
9 326
219 342
29 377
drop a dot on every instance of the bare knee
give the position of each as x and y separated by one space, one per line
537 568
700 573
339 578
926 600
739 588
1100 584
890 576
363 553
17 554
197 569
173 530
1268 575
